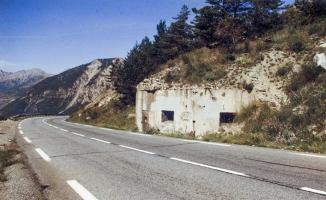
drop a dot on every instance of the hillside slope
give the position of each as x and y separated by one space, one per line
65 92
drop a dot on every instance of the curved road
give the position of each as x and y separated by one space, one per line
76 161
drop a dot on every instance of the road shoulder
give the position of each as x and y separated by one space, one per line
18 181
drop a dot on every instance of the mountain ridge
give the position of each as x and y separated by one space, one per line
14 84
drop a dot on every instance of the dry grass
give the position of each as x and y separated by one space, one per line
113 115
199 66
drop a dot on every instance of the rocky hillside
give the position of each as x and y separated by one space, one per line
13 84
65 92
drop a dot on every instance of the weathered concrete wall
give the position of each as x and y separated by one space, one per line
195 110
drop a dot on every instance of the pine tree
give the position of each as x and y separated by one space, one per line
138 65
264 15
174 40
206 22
312 8
219 14
179 38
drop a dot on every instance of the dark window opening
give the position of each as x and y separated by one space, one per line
227 117
167 115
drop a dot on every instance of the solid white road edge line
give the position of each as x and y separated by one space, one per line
99 140
108 129
310 155
80 190
213 143
210 167
27 140
81 135
148 152
43 155
210 143
313 190
21 132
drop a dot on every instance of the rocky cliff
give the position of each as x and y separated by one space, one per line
65 92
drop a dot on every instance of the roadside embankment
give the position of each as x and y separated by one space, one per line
16 178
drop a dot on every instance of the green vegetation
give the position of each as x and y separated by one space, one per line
222 24
5 161
113 115
299 123
284 71
233 27
197 66
224 33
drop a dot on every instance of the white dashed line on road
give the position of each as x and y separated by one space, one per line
43 155
27 140
78 134
148 152
21 132
80 190
313 190
210 167
99 140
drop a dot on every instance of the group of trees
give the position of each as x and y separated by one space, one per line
222 23
226 22
312 8
145 56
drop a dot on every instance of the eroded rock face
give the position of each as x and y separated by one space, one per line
261 77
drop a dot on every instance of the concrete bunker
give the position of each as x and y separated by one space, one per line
188 110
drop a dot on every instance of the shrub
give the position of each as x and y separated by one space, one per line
248 86
247 111
172 76
215 75
296 43
203 72
318 27
283 71
230 56
309 73
5 160
152 131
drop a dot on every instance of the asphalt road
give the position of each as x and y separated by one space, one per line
76 161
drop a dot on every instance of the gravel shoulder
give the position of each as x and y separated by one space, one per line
19 181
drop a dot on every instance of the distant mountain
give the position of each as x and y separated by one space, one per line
4 74
14 84
65 92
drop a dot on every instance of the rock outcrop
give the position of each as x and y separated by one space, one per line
266 85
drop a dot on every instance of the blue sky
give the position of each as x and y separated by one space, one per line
55 35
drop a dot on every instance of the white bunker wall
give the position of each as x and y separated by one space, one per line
193 110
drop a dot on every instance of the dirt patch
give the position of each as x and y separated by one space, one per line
17 180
